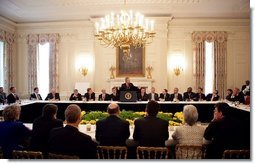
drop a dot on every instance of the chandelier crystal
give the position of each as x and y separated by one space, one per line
125 29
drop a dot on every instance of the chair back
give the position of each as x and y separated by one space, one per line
236 154
62 156
151 152
183 151
111 152
16 154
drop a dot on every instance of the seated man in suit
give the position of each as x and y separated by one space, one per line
3 97
90 95
153 95
115 96
213 96
12 97
112 131
189 95
199 96
104 96
35 95
229 94
176 96
237 96
76 96
164 95
53 95
127 86
143 95
69 140
151 130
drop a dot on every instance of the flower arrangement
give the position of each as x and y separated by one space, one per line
93 116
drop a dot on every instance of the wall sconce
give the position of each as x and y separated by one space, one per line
112 69
178 70
149 70
83 71
176 63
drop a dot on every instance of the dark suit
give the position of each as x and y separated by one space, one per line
3 97
209 97
167 96
12 98
187 96
239 97
91 97
50 96
141 97
199 97
179 97
130 87
106 98
151 131
33 96
76 98
41 133
112 131
115 97
70 141
155 96
224 134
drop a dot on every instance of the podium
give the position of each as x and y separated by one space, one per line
128 96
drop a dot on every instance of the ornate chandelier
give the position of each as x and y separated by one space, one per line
124 30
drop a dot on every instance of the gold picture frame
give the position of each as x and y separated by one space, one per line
133 66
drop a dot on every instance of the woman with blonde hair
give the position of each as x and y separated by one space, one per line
190 132
13 133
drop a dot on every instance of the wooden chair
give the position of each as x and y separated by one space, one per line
236 154
151 152
183 151
62 156
111 152
16 154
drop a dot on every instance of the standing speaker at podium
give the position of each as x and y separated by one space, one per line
127 86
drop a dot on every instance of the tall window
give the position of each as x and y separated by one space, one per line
209 67
43 69
1 64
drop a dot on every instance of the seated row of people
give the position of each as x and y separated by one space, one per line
49 134
232 95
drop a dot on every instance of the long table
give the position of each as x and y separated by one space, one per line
32 109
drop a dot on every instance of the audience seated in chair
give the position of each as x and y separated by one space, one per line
189 95
75 96
190 132
224 132
151 130
213 96
42 127
68 140
35 95
90 95
3 98
115 95
164 95
112 131
12 97
143 95
153 95
53 95
14 135
199 96
104 96
175 96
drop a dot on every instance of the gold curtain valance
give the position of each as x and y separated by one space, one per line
209 36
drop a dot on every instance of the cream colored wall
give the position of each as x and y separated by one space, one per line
173 37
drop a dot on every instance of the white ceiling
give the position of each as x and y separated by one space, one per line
21 11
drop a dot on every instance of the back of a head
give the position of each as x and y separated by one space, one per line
113 108
190 114
223 108
11 113
72 113
152 108
49 111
